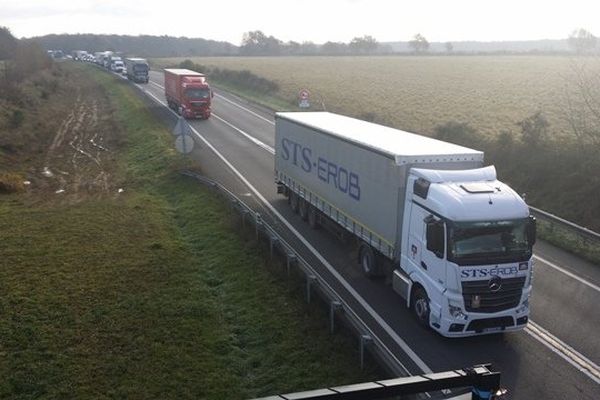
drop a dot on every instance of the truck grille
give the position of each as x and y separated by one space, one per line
507 297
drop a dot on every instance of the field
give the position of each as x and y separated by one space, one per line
490 93
119 278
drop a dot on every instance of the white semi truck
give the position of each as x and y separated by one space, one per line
455 242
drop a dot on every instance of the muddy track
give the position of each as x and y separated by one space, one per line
77 160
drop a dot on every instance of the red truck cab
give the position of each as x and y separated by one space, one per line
188 93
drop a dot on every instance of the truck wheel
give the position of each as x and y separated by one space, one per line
294 202
420 306
312 217
367 261
303 209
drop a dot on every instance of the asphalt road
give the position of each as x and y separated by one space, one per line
556 357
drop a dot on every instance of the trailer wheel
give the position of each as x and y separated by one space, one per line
312 217
294 202
303 208
420 306
367 261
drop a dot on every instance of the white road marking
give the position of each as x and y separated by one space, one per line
399 341
156 84
566 352
254 140
245 109
568 273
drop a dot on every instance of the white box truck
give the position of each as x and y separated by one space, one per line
455 242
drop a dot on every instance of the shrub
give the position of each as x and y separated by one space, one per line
455 132
11 183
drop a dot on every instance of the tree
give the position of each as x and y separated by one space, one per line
419 43
308 47
449 47
334 48
257 43
534 129
582 41
365 44
8 44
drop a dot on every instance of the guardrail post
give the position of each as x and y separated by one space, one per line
244 213
273 241
333 307
309 280
257 223
290 259
365 340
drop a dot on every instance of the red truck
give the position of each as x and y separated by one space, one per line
188 93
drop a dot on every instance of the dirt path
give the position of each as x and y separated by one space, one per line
77 161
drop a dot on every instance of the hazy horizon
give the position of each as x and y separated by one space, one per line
307 20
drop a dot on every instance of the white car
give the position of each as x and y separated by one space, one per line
117 66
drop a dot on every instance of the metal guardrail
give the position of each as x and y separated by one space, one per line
338 307
584 232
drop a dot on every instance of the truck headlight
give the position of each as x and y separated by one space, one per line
524 306
455 309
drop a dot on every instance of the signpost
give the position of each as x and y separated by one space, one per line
184 143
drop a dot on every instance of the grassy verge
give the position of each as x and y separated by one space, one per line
266 100
568 240
151 293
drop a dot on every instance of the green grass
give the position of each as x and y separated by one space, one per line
152 293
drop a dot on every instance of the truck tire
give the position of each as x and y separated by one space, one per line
294 202
420 306
312 217
367 261
303 208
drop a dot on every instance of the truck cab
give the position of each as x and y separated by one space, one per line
196 97
188 93
466 257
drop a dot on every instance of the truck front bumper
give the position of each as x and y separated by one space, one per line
472 324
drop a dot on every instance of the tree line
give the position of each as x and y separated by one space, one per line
258 43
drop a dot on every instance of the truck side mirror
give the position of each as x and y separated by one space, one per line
435 236
531 230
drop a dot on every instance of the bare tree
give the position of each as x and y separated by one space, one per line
582 41
419 43
582 95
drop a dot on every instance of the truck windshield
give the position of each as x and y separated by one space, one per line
472 243
140 67
197 94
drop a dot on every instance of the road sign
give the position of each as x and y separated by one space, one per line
184 144
303 99
182 128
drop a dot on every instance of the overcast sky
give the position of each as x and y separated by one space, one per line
307 20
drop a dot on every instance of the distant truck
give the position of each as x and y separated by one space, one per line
137 70
188 93
455 243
